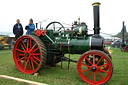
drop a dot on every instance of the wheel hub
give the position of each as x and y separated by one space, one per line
27 54
93 69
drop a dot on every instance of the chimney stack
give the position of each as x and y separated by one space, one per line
96 18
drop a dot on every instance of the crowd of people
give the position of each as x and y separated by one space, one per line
18 28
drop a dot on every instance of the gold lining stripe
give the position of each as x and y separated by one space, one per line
68 45
90 43
80 30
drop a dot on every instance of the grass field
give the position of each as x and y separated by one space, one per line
58 76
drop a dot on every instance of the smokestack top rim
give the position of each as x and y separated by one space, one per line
96 4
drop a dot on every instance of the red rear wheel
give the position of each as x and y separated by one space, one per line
94 73
126 49
29 54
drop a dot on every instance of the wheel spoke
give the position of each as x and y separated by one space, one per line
94 76
35 61
32 64
54 26
85 65
20 50
36 58
22 47
35 49
59 28
21 58
93 59
88 61
104 71
23 43
21 54
26 64
85 70
103 65
99 61
30 42
27 43
24 61
36 54
99 75
89 74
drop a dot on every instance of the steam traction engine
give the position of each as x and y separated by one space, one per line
124 43
49 46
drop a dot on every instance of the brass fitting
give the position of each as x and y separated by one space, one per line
96 4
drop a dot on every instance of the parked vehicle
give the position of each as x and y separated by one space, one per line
5 41
107 41
116 43
124 44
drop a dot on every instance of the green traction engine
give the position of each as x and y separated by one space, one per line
49 46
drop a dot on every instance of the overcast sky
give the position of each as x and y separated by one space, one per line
112 12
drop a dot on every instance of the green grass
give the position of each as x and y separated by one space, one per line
58 76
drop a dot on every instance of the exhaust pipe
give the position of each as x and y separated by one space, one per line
96 18
96 40
123 33
123 44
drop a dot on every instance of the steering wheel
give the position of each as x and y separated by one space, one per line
54 28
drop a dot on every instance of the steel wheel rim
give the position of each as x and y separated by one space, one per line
103 79
31 63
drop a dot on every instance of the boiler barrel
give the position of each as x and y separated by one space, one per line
80 46
77 46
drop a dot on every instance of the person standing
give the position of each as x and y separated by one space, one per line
17 29
30 27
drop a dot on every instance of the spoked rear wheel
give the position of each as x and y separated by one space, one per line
94 73
29 54
126 49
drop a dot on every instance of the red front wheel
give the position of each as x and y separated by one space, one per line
29 54
93 73
126 49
